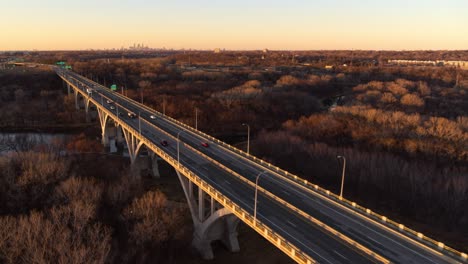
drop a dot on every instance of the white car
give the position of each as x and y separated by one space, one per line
112 107
152 116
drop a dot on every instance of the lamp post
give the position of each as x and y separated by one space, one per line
178 150
141 95
248 137
343 174
196 118
139 122
255 200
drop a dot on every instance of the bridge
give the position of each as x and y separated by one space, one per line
224 185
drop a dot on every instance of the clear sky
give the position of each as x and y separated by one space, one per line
234 24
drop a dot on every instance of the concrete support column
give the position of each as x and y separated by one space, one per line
209 225
119 137
154 165
77 103
190 190
68 88
88 115
104 130
203 246
230 233
105 136
201 204
213 205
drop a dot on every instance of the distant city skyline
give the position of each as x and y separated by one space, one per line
235 25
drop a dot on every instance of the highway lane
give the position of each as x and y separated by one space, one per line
318 244
390 244
373 236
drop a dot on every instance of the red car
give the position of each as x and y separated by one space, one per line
164 143
205 144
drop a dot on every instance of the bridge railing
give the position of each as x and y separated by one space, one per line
279 241
398 227
366 212
314 221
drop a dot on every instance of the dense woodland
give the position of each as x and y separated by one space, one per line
403 130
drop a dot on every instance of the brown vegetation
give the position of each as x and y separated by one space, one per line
433 196
51 212
403 130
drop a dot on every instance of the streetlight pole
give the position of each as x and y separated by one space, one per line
343 174
141 95
248 137
196 118
139 122
178 141
255 200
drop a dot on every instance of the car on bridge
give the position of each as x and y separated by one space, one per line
152 116
109 101
112 107
131 115
164 143
205 144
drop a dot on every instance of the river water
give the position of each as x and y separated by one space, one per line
27 141
10 142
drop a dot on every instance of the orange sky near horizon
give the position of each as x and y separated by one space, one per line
297 25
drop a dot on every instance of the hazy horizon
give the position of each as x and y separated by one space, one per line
244 25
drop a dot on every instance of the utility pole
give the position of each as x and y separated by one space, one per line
343 174
248 137
196 118
255 199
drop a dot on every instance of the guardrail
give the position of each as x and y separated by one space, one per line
366 212
291 250
417 236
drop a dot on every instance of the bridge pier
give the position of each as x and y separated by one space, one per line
154 165
119 136
87 111
77 103
68 88
211 220
133 144
103 117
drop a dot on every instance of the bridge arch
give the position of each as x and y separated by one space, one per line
210 224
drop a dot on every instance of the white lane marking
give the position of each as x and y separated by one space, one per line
339 254
287 193
227 182
229 157
225 154
190 135
292 224
252 165
271 222
366 227
248 163
373 240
